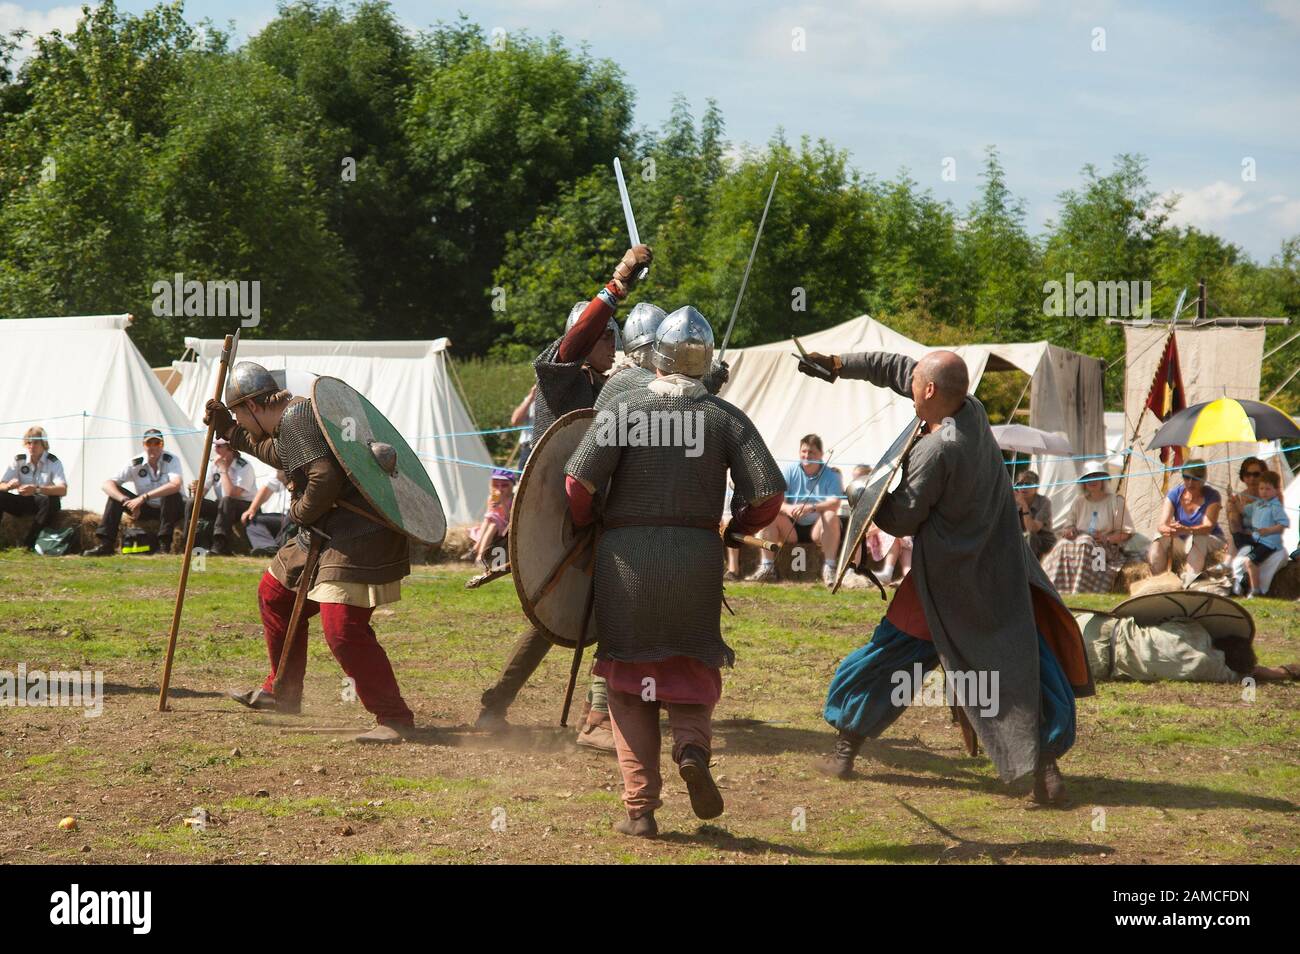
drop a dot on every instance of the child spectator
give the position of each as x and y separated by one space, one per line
496 520
1267 516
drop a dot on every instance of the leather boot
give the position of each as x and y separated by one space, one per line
643 827
259 699
839 764
595 732
1049 786
706 800
383 734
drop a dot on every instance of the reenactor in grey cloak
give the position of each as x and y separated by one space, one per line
664 451
570 374
976 601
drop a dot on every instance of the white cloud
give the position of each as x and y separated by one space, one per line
1285 212
1288 10
1210 206
36 23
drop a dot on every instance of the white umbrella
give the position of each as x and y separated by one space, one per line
1030 440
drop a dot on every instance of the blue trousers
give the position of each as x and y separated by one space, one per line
859 700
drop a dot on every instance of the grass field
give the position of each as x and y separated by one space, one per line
1173 772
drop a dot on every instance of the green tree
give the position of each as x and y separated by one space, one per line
495 132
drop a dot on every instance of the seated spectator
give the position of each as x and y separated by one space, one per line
1189 524
1090 553
267 528
155 492
810 511
34 485
1269 518
230 489
893 551
496 519
1235 506
1035 514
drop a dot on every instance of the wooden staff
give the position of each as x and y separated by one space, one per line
577 657
299 602
594 537
227 352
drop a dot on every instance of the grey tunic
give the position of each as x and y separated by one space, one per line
658 565
562 386
973 570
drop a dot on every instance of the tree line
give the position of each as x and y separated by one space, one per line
383 183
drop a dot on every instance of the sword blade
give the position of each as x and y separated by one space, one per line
632 232
735 310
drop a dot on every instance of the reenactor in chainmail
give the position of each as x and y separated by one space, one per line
570 374
664 452
362 560
637 370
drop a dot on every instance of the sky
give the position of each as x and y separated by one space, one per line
1209 92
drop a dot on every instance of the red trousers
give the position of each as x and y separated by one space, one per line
635 724
350 638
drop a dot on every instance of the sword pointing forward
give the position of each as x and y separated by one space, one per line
632 232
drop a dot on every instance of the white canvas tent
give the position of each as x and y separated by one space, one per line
858 421
1215 362
409 381
84 380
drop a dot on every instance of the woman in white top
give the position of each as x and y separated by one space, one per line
1089 554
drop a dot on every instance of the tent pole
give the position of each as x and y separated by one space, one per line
83 459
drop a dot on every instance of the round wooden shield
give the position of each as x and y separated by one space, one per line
551 560
1222 618
864 511
378 461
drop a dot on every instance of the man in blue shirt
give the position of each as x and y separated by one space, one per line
810 511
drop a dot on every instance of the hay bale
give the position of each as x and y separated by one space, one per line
799 563
13 530
1286 583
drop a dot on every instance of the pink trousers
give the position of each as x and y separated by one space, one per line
636 738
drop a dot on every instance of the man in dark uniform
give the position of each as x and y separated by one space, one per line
233 484
34 484
570 372
362 561
155 480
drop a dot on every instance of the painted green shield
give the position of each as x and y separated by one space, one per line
873 494
379 461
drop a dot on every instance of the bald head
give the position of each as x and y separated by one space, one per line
939 384
947 373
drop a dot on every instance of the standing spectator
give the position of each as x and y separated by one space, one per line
155 480
810 512
1268 516
267 528
34 484
524 413
231 487
1189 524
1035 514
